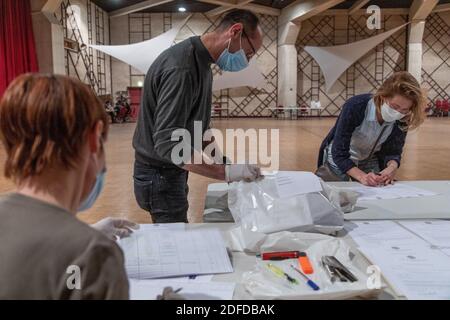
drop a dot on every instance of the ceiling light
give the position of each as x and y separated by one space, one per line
182 9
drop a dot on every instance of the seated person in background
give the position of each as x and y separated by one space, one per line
53 129
367 141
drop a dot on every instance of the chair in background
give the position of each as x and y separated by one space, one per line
280 112
438 108
429 110
445 108
303 111
217 111
317 107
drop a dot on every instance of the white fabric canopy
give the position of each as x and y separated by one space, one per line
250 76
141 55
334 61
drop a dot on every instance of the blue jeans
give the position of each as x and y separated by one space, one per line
162 192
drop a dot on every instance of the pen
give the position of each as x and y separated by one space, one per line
279 255
309 282
280 273
178 290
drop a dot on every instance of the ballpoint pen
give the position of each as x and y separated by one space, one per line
280 273
309 282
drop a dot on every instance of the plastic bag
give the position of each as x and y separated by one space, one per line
261 283
343 199
257 207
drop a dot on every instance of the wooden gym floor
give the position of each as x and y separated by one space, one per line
426 157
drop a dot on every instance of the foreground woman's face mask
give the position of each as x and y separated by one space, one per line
97 188
95 192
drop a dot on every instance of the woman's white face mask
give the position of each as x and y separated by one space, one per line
389 114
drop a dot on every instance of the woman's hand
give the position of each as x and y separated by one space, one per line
371 180
367 179
115 228
388 174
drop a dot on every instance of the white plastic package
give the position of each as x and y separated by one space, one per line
261 283
257 207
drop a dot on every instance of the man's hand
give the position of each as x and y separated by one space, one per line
371 180
388 174
115 227
239 172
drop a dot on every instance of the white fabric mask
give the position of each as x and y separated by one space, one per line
389 114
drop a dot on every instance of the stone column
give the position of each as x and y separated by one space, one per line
48 35
287 64
416 29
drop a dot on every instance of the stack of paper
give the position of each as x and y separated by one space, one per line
170 251
380 233
292 183
418 272
395 191
196 289
435 232
409 263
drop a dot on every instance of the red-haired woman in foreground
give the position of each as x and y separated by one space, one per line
53 129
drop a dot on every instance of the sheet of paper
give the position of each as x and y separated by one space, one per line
436 232
375 233
164 226
446 251
190 289
158 252
417 271
193 279
395 191
292 183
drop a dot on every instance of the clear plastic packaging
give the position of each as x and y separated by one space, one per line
263 284
256 207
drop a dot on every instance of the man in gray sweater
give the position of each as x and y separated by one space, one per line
177 96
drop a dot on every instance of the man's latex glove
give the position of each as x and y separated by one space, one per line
239 172
169 294
115 228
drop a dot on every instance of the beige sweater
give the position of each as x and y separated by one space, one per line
41 248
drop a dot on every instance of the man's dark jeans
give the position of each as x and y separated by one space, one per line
162 192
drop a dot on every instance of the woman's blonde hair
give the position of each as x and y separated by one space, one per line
404 84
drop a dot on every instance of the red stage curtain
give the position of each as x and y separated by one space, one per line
17 47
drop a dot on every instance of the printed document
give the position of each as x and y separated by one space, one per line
190 289
292 183
159 252
395 191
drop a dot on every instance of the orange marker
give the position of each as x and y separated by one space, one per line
304 263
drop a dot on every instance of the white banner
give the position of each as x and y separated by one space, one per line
334 61
141 55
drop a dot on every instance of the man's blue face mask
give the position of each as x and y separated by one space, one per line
232 62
